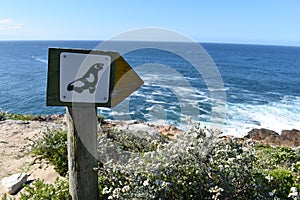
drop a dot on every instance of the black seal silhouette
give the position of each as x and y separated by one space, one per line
87 81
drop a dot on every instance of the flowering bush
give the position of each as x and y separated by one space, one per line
195 165
176 169
281 168
198 165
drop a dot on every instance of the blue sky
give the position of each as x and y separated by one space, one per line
229 21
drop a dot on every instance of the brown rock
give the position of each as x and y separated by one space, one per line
169 131
289 138
262 134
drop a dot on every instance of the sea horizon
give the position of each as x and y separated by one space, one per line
260 82
173 41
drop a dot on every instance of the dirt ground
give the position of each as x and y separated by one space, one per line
15 144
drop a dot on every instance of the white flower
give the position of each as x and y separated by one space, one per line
106 190
216 189
116 193
146 183
269 178
293 192
164 184
126 188
271 194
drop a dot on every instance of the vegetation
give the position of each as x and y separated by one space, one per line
196 165
6 115
41 191
21 117
52 146
2 115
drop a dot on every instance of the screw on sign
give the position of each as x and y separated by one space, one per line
83 80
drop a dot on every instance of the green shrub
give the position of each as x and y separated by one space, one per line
132 142
273 157
281 168
3 115
281 181
175 170
196 165
39 190
100 118
52 146
233 168
21 117
12 116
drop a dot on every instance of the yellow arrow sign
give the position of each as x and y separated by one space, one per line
89 76
126 81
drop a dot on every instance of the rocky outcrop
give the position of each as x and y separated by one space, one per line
143 129
289 138
169 131
14 183
263 135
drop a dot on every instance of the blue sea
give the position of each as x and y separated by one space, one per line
261 84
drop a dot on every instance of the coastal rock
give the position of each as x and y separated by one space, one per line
289 138
139 129
142 130
14 183
169 131
263 135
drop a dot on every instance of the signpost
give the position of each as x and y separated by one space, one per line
83 80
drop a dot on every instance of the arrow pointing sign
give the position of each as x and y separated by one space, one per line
83 80
89 76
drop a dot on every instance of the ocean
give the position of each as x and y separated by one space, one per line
261 84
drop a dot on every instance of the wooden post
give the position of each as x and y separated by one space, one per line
82 152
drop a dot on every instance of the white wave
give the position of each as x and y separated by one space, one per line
40 59
150 108
218 89
171 111
138 93
116 113
104 109
276 116
155 102
158 93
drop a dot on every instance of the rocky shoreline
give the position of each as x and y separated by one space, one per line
288 138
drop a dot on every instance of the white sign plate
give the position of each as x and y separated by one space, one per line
84 78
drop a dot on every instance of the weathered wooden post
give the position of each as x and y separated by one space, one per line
82 148
83 80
